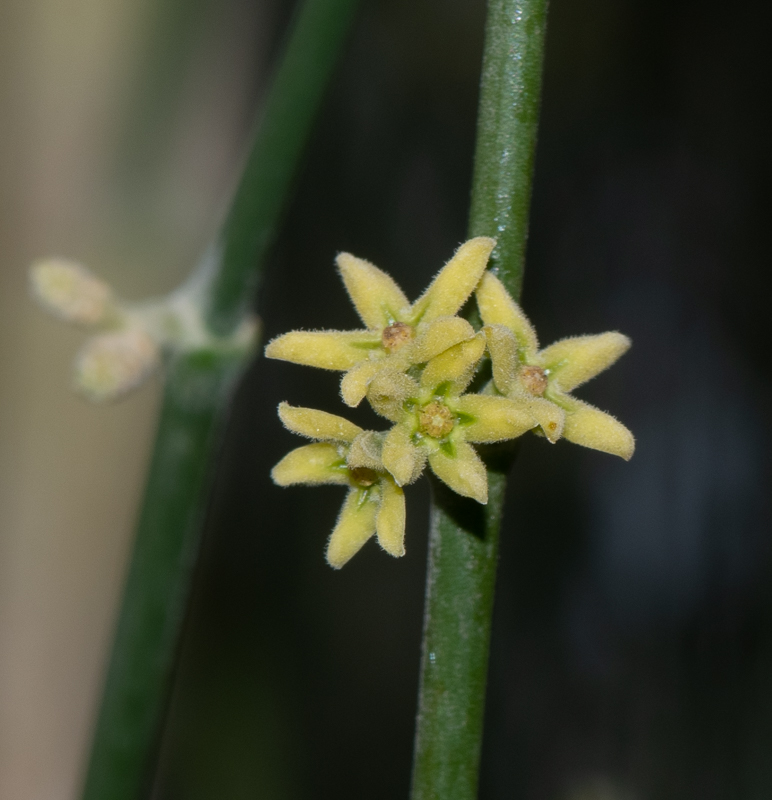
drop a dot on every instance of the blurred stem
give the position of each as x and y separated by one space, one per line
198 388
463 542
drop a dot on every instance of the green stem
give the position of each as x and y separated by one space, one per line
290 108
463 542
198 388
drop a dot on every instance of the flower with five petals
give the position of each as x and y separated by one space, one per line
540 380
435 420
375 504
398 334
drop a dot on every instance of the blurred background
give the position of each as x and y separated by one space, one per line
632 647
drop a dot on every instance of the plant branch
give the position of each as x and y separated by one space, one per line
463 542
198 388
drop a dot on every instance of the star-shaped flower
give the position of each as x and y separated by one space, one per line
540 380
398 334
435 421
345 454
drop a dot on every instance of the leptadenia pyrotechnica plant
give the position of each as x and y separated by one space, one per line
414 363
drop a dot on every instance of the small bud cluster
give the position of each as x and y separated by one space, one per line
129 339
414 363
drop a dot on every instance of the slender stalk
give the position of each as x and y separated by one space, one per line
463 542
198 387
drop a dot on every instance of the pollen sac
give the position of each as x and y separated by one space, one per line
534 379
436 420
396 336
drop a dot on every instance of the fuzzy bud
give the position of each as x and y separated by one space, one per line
70 291
113 364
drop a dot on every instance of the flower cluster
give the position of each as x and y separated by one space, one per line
128 340
414 363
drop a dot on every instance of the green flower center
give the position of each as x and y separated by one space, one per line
395 336
534 379
436 420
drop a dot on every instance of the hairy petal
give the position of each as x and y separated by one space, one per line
550 417
400 456
339 350
390 521
463 471
356 524
353 387
365 451
494 418
591 427
310 464
376 297
498 308
502 346
455 281
388 391
575 360
455 366
317 424
438 336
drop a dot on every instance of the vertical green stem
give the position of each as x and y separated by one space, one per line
198 387
463 543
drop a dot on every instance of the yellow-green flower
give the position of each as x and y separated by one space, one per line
435 421
345 454
398 334
540 380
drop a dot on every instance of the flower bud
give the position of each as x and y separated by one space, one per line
113 364
70 291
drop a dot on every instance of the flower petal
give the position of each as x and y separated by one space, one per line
388 391
455 281
311 464
502 346
493 419
401 457
390 521
325 349
498 308
438 336
455 366
356 524
591 427
376 297
550 417
353 387
462 470
575 360
365 451
317 424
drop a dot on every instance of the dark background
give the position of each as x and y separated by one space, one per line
632 643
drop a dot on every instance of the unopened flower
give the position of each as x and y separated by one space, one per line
112 364
398 334
345 454
68 290
130 338
435 421
540 380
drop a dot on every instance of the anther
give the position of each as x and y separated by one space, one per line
534 379
395 336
